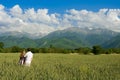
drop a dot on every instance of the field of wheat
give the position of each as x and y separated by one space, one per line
61 67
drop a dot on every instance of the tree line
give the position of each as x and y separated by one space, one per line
97 49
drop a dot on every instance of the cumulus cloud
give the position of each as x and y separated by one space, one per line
42 22
104 18
29 20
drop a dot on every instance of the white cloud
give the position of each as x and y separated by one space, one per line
28 20
1 7
16 11
41 21
104 18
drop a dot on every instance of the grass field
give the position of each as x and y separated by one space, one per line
61 67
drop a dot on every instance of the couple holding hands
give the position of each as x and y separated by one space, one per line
26 57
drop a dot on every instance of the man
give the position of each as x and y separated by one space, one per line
28 57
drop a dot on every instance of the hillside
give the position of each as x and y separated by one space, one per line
68 38
113 42
76 37
17 41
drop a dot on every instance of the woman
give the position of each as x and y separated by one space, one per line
22 58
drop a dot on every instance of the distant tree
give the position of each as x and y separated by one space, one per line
65 51
1 44
97 49
44 50
1 50
15 49
34 50
116 50
84 50
6 50
79 50
108 51
51 46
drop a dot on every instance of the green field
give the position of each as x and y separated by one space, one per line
61 67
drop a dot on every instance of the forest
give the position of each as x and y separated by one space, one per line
96 49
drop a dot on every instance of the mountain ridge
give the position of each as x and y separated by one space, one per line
67 38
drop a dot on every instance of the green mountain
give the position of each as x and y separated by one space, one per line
62 40
17 41
68 38
113 42
76 37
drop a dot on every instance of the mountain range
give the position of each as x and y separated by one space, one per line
69 38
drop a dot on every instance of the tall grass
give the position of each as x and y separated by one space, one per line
61 67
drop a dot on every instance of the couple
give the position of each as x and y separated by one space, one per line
26 57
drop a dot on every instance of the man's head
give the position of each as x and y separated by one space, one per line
28 49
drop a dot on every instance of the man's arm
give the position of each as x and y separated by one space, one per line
26 55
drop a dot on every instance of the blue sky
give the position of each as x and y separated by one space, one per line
45 16
61 6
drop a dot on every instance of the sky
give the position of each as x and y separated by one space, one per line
63 5
45 16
